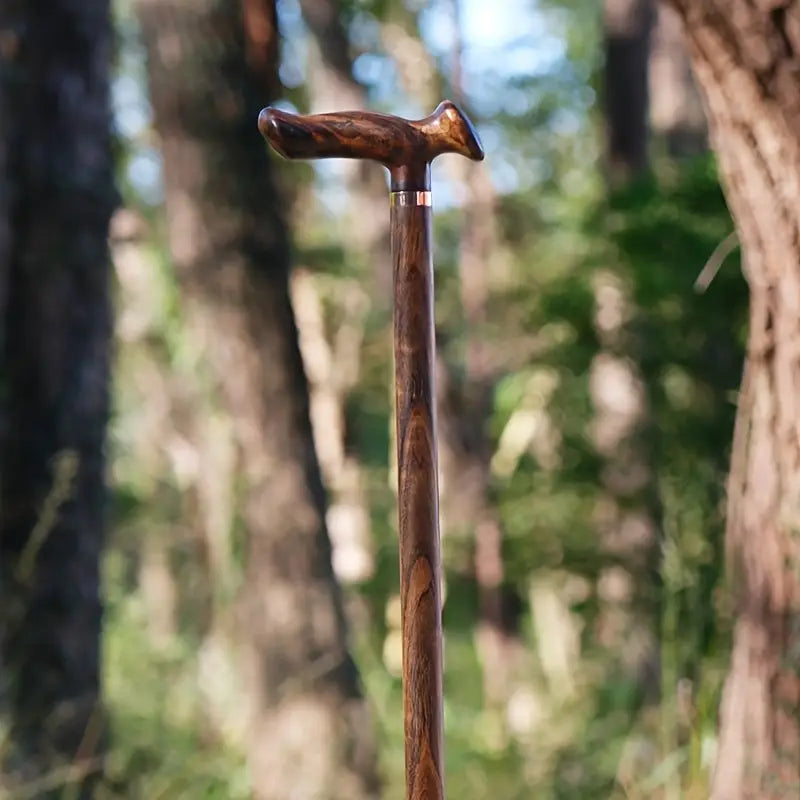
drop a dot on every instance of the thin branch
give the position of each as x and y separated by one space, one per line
715 261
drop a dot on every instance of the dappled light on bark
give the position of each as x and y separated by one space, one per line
745 57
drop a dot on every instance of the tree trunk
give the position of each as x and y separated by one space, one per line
627 511
746 58
468 444
8 47
334 88
627 25
677 119
57 186
310 734
337 89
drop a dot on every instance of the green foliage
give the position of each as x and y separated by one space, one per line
157 727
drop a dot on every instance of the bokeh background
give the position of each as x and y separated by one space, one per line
590 324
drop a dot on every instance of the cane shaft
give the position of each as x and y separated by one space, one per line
407 148
418 496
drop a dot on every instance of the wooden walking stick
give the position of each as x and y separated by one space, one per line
406 148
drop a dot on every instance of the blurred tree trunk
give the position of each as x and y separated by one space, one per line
333 87
627 510
677 118
8 45
310 735
747 60
627 27
469 409
58 194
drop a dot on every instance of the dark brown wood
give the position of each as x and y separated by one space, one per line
406 148
418 500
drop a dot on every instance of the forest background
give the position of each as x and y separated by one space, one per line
591 324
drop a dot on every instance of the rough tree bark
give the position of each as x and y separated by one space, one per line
58 194
627 25
310 735
746 56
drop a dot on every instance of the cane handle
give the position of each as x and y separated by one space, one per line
406 147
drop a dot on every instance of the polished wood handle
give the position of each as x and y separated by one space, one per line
406 147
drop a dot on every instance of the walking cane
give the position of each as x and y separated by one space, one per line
406 148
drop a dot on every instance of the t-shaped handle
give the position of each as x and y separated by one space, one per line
406 147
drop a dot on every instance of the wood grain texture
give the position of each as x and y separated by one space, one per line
418 501
405 147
